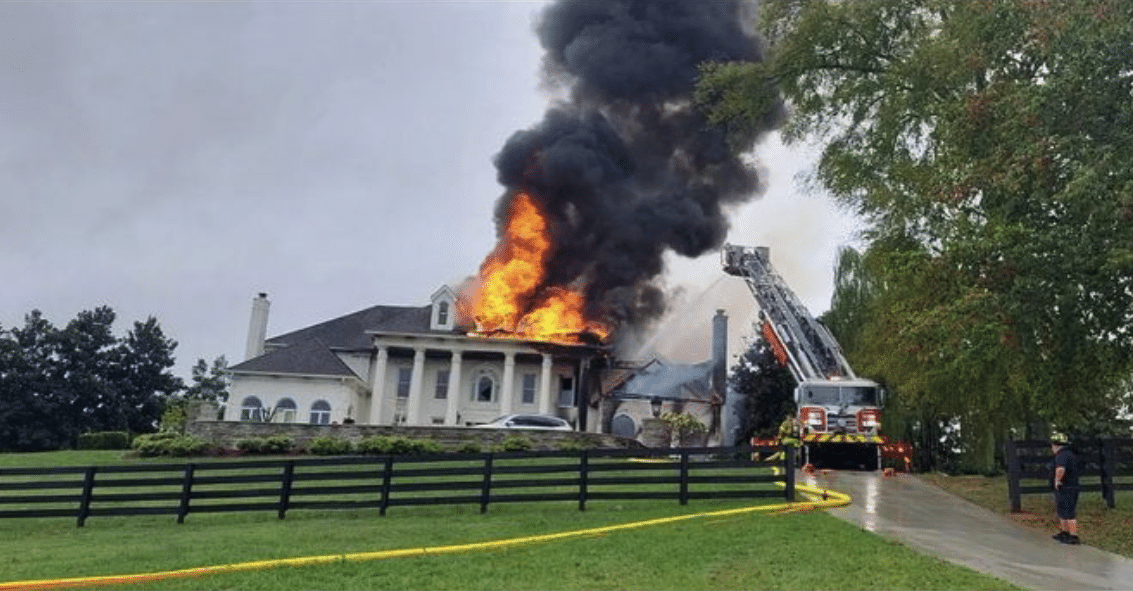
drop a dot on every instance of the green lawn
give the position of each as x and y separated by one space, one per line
795 550
1098 525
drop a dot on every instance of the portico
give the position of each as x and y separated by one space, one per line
459 380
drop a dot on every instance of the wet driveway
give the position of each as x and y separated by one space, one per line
924 517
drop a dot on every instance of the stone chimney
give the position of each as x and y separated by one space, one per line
729 413
720 353
258 326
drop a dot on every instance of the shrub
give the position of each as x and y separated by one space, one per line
398 445
572 444
427 446
105 440
278 444
469 447
166 443
376 445
330 446
250 445
517 443
175 415
274 444
187 446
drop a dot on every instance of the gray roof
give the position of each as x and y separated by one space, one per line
671 381
349 331
310 357
310 350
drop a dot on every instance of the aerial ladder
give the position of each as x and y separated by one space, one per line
840 412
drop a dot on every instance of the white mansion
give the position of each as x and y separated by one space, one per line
388 365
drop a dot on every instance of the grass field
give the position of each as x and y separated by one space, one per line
795 550
1098 525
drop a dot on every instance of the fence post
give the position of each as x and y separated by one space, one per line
1014 472
684 477
387 476
288 477
186 492
789 471
486 487
583 478
1109 470
88 491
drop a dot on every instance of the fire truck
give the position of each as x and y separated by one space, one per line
840 412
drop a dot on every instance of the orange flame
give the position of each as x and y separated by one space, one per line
512 300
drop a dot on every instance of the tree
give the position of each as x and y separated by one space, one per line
27 404
209 383
987 143
767 389
144 382
56 383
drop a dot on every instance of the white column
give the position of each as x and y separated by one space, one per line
453 388
509 382
545 386
378 386
413 405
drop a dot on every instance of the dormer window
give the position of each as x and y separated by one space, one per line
442 316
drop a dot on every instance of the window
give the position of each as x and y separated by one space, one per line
285 411
252 409
566 392
484 386
320 413
442 385
442 314
529 388
404 379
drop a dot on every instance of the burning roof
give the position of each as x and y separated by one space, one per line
623 171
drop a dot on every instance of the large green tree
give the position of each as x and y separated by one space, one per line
767 389
56 383
989 144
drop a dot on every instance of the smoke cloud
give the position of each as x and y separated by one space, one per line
626 168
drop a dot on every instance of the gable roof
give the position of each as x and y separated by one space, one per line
310 357
670 381
349 331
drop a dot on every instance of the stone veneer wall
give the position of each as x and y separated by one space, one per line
227 433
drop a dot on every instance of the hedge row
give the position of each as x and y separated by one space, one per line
105 440
167 443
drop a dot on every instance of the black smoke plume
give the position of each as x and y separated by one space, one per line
627 168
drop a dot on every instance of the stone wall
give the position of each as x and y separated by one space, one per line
227 433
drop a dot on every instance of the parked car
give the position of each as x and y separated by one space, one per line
528 422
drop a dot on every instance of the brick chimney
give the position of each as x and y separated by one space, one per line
258 326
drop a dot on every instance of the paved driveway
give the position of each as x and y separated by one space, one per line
923 516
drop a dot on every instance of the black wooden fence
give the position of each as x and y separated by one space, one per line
381 482
1106 464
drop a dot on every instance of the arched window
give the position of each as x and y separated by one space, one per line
251 409
285 411
484 384
320 413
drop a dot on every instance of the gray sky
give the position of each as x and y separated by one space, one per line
175 158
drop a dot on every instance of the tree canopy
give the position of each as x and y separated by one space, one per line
56 383
989 146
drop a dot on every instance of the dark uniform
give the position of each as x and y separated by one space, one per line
1066 493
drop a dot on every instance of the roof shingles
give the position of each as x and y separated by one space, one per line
310 350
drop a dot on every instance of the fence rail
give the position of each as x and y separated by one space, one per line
381 482
1106 467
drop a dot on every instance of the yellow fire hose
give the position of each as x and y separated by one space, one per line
819 499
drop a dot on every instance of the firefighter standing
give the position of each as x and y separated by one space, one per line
790 435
